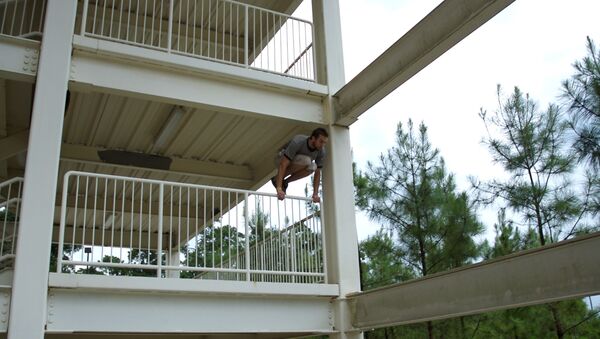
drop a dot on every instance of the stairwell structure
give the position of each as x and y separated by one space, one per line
134 137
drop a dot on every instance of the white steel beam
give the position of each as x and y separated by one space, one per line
97 304
88 154
185 81
19 59
560 271
435 34
30 283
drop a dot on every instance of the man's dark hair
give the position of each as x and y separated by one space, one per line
318 132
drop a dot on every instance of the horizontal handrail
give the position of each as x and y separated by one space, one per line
154 181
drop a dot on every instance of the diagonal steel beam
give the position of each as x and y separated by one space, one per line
435 34
560 271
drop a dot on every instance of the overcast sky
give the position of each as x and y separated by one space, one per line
531 44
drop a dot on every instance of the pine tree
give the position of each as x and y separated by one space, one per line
530 145
411 193
581 94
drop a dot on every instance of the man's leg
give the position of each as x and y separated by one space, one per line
301 167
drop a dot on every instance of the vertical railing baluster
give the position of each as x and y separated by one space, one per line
149 231
204 230
208 28
84 16
75 217
160 20
153 20
196 234
216 29
194 30
84 215
112 14
161 194
104 216
17 218
128 21
141 220
202 28
63 219
246 36
131 221
5 220
14 16
247 233
170 28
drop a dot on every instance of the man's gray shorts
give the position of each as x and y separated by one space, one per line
300 160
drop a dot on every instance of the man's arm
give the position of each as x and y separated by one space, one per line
283 165
316 181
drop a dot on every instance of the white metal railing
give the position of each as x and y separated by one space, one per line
295 248
222 30
10 212
117 225
22 18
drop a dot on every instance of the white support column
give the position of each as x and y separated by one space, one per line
30 282
340 225
328 44
338 190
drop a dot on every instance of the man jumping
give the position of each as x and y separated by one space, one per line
295 161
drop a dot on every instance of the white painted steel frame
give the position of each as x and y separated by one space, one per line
183 312
206 87
30 282
19 59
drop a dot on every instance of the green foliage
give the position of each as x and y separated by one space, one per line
411 193
430 226
381 262
214 247
529 144
508 239
67 253
581 94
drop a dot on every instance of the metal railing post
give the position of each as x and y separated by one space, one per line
314 54
323 242
161 192
247 232
246 36
63 219
170 28
84 17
